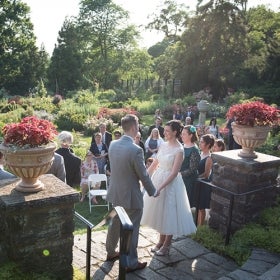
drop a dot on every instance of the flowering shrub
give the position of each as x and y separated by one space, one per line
115 114
254 113
30 132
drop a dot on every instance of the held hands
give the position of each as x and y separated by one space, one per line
157 193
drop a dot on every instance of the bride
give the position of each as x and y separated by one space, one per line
170 213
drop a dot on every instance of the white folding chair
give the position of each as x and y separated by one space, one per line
93 179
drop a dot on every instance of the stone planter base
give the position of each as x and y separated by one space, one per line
249 138
29 164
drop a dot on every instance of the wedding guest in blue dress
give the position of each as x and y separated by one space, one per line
189 168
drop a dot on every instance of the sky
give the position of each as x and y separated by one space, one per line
48 16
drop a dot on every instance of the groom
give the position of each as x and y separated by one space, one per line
127 168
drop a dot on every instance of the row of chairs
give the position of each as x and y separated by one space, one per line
94 179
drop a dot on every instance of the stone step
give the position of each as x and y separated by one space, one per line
261 265
272 274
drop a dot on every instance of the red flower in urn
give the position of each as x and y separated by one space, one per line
254 113
30 132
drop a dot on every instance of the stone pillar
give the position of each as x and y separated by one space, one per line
203 107
239 176
37 229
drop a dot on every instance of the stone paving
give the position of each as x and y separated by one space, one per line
186 260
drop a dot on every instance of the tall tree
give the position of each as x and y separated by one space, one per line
108 37
213 47
18 52
263 62
171 19
66 72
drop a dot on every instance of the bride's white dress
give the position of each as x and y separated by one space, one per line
169 213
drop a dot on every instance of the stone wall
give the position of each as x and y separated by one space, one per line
37 229
255 177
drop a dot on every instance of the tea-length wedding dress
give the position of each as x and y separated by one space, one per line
169 213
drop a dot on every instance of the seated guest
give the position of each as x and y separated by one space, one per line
188 121
100 152
71 161
58 168
178 115
89 166
153 143
3 173
106 137
117 135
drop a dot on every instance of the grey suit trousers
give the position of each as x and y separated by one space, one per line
113 235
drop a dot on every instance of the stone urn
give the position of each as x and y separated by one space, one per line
29 164
249 138
203 107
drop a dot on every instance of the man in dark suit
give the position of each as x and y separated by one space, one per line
158 125
127 169
71 161
189 113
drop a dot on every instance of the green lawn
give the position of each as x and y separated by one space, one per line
95 217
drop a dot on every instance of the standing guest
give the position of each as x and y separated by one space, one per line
189 168
153 143
127 169
213 128
89 166
157 114
219 145
100 152
205 170
189 113
170 214
58 168
158 125
139 142
232 145
71 161
3 173
106 137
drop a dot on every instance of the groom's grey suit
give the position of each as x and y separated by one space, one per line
127 168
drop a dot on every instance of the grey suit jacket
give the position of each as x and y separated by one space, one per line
57 168
127 168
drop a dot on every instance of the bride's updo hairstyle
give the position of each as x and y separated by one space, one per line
175 126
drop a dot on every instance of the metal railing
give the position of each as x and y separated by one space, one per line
126 230
88 249
201 183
